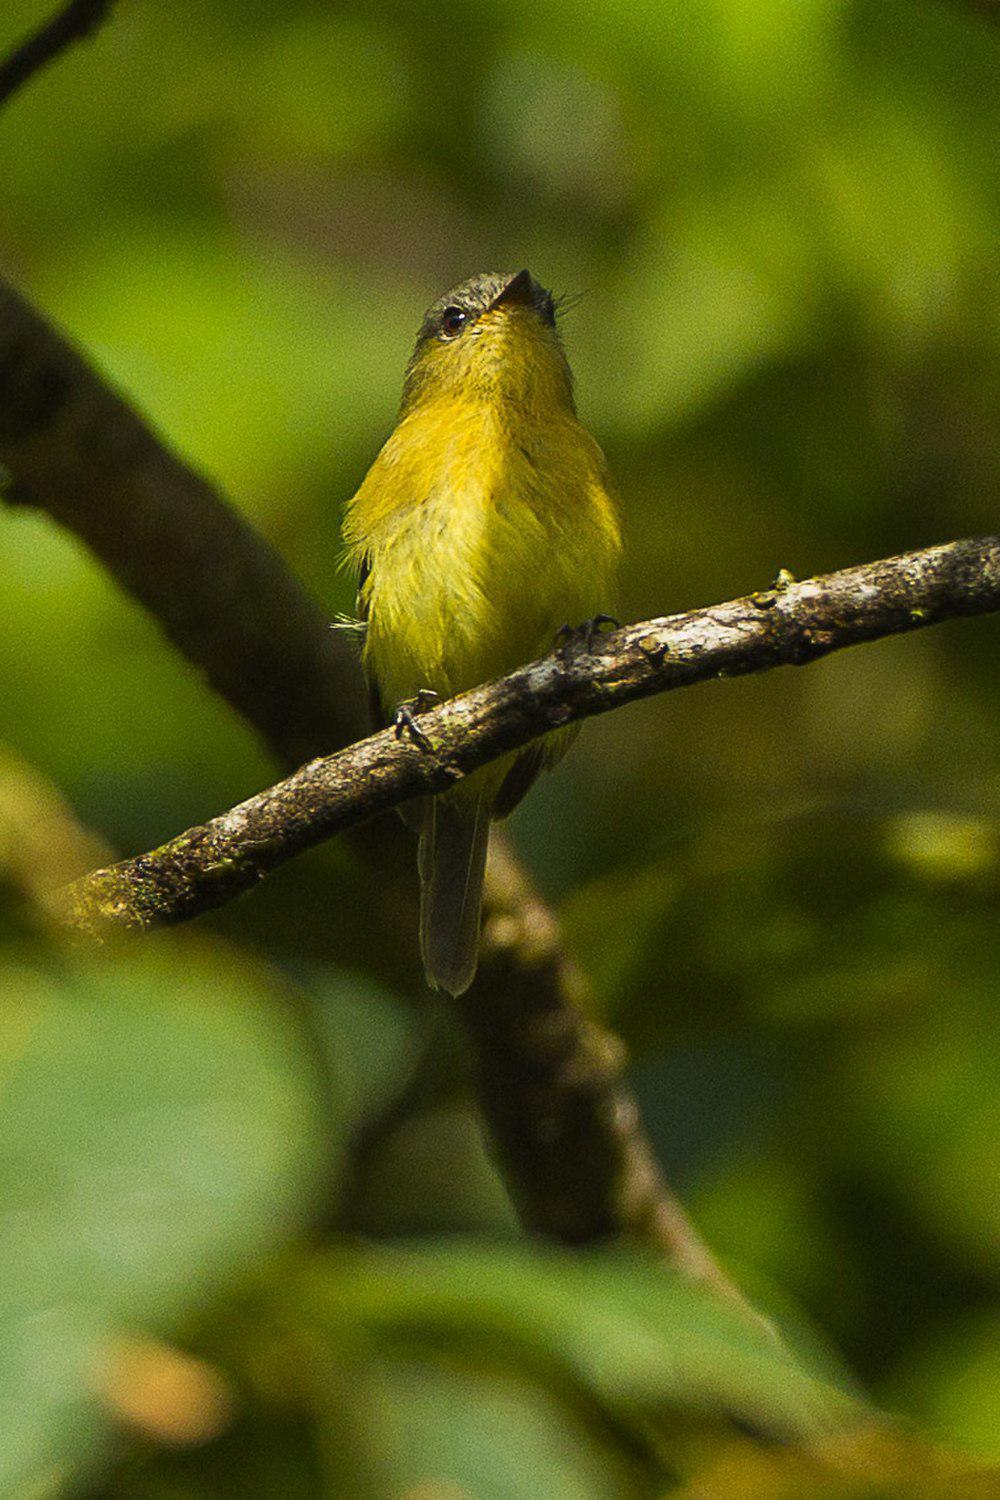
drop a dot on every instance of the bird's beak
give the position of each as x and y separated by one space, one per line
519 291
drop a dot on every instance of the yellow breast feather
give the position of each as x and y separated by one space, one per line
477 546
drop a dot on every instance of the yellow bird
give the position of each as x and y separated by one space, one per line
486 524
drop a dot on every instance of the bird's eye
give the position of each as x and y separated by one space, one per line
453 320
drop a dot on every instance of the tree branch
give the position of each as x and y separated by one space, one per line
77 20
221 593
550 1086
792 625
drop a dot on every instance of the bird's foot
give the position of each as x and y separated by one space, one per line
584 635
405 717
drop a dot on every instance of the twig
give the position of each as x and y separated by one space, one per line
77 20
210 864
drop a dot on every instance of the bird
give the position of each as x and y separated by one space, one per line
487 524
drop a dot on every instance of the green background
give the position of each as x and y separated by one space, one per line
781 219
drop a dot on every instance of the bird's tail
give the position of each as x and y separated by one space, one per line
452 863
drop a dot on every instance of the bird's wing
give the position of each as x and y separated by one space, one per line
523 774
376 712
364 573
519 780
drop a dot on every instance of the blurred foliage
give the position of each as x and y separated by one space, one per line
783 221
161 1130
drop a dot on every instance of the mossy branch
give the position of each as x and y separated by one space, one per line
791 624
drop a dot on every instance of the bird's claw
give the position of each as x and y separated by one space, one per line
405 718
586 633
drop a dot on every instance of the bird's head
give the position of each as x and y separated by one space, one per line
493 338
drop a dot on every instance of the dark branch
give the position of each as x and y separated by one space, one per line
223 596
77 20
795 624
550 1085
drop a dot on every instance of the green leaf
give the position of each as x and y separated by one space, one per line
627 1334
500 1371
162 1129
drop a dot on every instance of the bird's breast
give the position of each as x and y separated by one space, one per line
485 535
